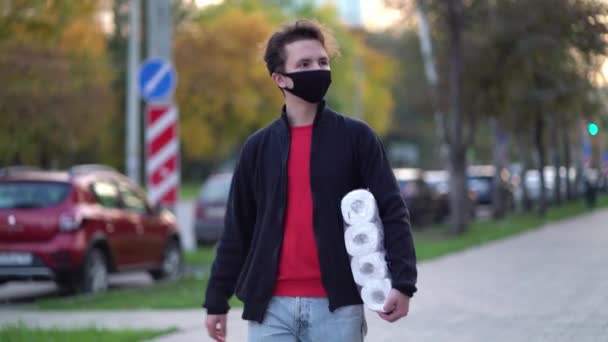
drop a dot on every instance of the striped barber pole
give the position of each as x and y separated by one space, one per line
162 152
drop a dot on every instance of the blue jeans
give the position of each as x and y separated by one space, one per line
303 319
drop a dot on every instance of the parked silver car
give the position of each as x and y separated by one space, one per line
210 208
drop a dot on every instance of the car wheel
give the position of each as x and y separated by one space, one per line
66 283
94 276
172 263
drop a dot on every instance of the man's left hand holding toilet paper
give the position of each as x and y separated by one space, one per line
397 306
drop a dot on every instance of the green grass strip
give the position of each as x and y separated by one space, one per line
436 241
189 191
22 333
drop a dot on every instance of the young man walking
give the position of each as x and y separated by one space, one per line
283 251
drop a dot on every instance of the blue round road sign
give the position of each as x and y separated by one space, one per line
157 80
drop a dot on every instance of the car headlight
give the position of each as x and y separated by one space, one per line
70 221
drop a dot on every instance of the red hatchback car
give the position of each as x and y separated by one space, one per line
78 226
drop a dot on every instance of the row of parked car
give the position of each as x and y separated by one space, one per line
425 192
79 225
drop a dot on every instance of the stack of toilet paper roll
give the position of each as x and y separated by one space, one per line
365 244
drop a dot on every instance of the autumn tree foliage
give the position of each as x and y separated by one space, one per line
56 99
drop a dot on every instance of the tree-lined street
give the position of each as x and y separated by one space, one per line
544 285
492 115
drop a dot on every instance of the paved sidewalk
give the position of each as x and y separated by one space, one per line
548 285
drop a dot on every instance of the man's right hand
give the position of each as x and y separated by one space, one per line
216 327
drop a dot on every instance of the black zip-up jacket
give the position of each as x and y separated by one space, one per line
345 155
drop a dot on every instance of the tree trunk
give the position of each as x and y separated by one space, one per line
521 151
579 181
17 158
459 201
430 71
526 203
459 206
540 150
567 163
557 182
44 159
498 205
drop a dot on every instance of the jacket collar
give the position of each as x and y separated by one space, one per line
318 116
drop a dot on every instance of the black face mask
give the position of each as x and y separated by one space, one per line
310 86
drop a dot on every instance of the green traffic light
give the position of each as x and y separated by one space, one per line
593 128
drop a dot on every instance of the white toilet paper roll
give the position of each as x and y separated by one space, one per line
359 206
363 239
375 293
368 267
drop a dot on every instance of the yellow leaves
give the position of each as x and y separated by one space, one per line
224 92
377 88
363 76
85 39
58 94
192 127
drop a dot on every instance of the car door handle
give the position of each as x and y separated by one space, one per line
139 229
109 228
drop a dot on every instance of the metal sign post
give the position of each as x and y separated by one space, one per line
132 153
157 82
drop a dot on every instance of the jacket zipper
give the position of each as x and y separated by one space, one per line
283 199
313 147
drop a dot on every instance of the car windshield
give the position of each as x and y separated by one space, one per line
216 188
27 195
440 186
480 184
408 187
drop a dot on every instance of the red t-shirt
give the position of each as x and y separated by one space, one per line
299 270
